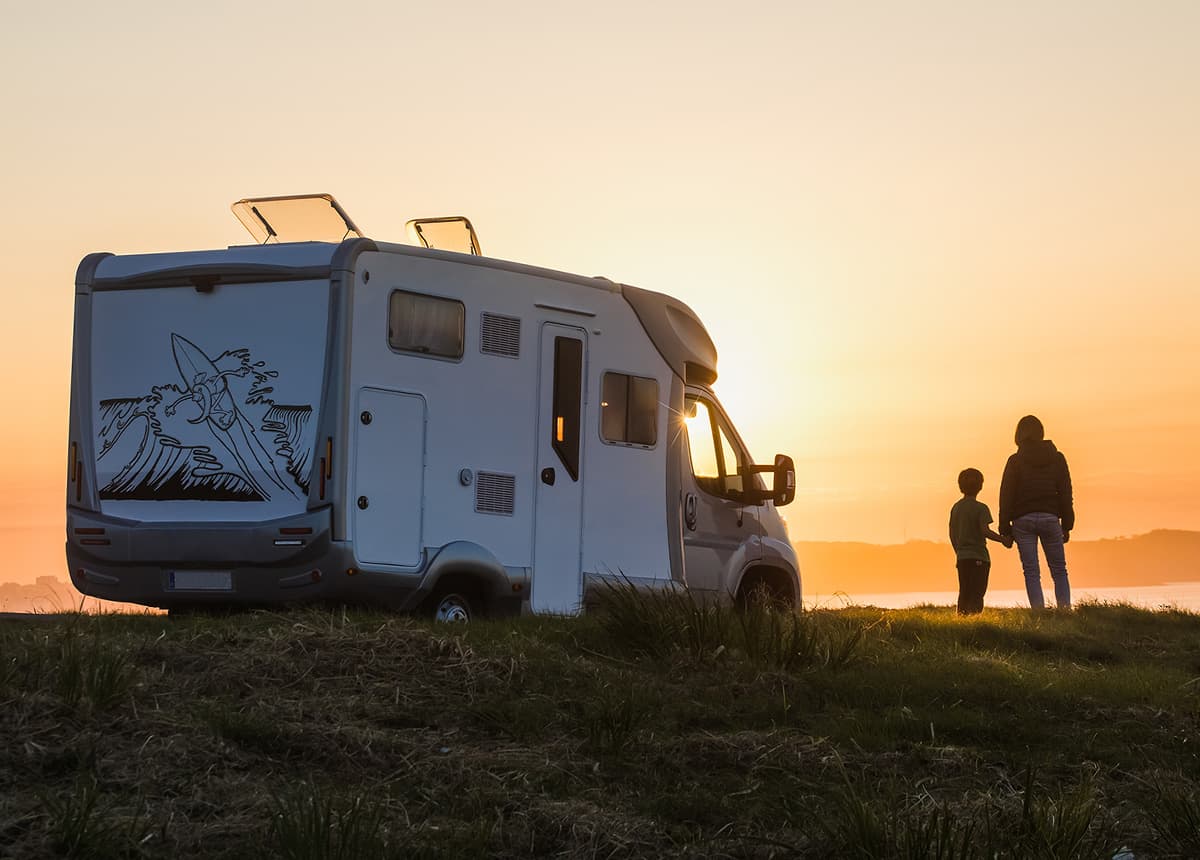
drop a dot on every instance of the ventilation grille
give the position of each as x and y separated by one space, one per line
500 335
494 493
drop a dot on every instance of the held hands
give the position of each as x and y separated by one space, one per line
1007 541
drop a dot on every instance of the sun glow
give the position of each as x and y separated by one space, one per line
941 233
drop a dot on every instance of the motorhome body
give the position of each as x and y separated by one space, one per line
365 421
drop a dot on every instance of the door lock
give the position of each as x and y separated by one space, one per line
548 476
689 511
363 502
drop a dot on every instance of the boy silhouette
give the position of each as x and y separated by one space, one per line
970 531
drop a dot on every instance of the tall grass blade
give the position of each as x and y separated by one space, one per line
1175 816
311 824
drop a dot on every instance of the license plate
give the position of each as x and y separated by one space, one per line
200 580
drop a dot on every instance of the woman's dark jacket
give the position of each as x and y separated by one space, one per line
1036 480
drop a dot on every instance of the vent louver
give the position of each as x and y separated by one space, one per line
494 493
500 335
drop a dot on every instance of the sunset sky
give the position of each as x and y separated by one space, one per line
905 224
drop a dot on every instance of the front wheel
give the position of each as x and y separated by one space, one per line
766 595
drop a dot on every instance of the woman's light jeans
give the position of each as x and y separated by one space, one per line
1026 531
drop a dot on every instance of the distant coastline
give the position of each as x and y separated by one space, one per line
49 594
1156 558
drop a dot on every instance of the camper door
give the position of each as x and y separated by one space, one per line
558 523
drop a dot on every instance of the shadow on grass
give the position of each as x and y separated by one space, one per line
903 823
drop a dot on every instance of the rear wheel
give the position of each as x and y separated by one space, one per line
207 610
453 607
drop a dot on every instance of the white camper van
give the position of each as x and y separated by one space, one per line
352 420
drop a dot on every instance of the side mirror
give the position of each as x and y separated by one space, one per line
783 483
783 488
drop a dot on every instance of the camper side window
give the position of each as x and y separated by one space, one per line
427 325
629 409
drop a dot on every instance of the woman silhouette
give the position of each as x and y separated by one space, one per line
1036 503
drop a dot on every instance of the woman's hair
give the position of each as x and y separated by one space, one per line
1029 429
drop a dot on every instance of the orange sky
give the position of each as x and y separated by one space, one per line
906 225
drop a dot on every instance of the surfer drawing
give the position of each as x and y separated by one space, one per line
207 388
216 434
212 395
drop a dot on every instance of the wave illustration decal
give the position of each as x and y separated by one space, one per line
217 436
287 423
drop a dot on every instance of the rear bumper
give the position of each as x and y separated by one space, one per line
172 565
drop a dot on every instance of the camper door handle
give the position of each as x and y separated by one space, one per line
689 511
548 476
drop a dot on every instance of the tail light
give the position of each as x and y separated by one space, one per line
326 465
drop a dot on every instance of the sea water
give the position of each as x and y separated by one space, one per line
1172 595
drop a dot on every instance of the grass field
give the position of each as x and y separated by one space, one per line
653 727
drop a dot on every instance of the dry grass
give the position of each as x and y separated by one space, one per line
322 734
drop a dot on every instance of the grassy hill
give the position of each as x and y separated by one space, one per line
653 727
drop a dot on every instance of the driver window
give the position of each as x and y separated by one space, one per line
717 462
702 446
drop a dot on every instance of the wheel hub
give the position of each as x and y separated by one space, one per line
452 608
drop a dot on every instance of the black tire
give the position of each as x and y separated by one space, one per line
762 593
206 610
